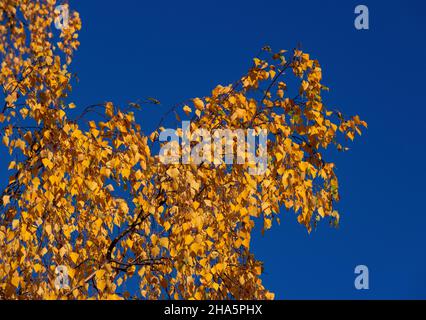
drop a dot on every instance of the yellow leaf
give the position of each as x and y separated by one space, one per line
6 141
6 200
37 267
196 205
15 223
199 104
36 182
109 109
258 270
12 165
187 110
125 173
74 257
167 225
61 114
173 172
97 225
15 280
100 273
210 231
303 166
270 296
267 224
189 239
155 250
53 179
154 239
164 242
195 247
124 207
209 277
220 266
47 163
101 284
48 229
257 61
246 242
92 185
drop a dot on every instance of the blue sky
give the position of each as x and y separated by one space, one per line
174 50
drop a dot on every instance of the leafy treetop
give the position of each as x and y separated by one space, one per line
91 195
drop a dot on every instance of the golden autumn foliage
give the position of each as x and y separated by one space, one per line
93 196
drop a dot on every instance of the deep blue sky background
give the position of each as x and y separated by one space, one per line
174 50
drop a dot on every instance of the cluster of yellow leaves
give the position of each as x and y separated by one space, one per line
92 196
